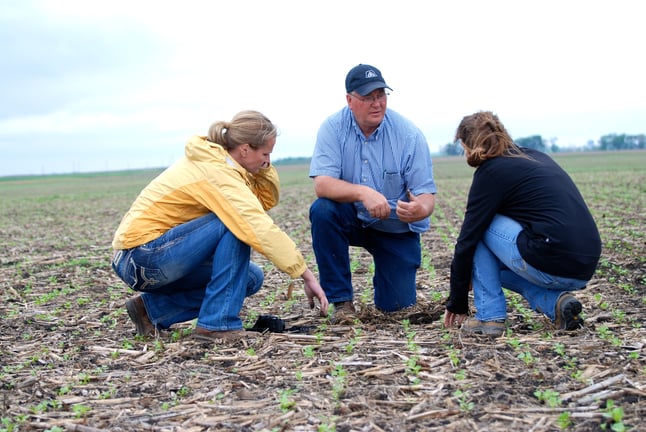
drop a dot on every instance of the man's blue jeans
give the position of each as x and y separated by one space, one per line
335 227
497 263
197 269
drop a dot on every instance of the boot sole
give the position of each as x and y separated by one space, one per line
570 318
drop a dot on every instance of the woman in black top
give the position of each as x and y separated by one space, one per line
526 228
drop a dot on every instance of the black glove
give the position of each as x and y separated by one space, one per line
269 323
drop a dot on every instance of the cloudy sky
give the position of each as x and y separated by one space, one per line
94 86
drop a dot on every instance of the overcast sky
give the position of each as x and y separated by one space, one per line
94 86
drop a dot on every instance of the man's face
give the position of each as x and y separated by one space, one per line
368 110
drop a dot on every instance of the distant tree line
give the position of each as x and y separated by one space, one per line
605 143
293 161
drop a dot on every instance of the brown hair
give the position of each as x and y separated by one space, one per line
485 137
246 127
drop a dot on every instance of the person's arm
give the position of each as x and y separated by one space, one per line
343 191
486 197
313 289
265 184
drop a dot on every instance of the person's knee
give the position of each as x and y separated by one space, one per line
256 278
322 209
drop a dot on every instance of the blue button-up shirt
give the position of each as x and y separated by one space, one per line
393 160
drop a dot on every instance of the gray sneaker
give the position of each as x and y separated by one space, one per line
568 313
492 329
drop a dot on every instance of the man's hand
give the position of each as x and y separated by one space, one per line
417 207
376 204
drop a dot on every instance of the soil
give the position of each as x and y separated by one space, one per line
70 359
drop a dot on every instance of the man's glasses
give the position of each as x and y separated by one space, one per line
379 97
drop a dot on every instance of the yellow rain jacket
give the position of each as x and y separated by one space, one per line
208 180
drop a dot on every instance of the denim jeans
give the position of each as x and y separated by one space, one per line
497 263
335 227
198 269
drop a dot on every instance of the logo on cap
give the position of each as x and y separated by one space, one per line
371 74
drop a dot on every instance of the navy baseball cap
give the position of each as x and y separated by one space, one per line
363 79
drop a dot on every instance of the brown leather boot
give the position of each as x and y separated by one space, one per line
344 313
139 316
205 335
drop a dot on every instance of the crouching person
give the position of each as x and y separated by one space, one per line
526 228
185 243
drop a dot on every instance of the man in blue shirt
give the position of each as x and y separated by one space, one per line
373 177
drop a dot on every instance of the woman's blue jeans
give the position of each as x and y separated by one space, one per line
198 269
397 256
497 263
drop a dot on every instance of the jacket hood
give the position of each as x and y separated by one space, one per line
199 149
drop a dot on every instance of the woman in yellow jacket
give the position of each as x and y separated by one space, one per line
186 241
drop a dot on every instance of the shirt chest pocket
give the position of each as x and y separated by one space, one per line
393 185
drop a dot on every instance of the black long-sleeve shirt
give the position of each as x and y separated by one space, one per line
559 235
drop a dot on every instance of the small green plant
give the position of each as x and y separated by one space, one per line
269 299
319 337
564 420
353 341
338 381
80 410
454 357
619 316
571 363
8 424
550 398
605 333
84 378
251 319
365 296
327 427
463 400
412 366
410 336
577 375
308 351
614 416
41 407
107 394
82 301
183 391
514 343
437 296
64 389
286 402
527 358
